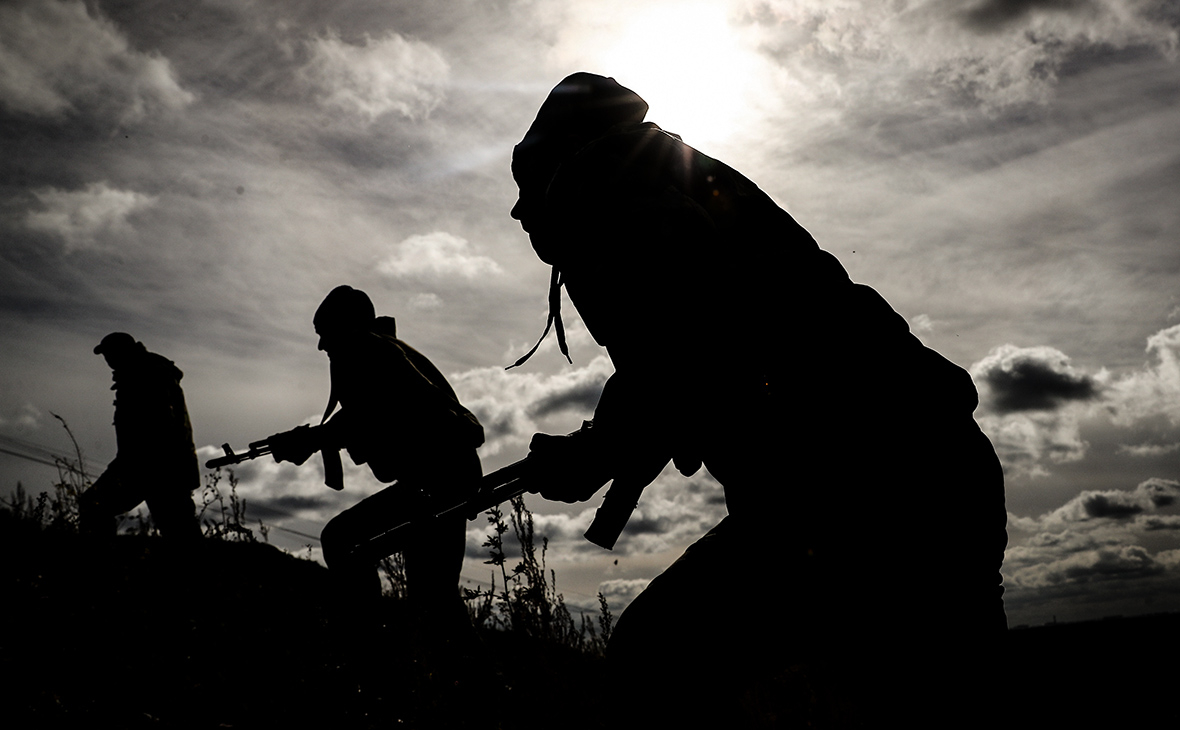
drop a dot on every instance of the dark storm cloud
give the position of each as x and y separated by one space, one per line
1031 385
1032 379
994 15
582 397
647 525
1117 504
1157 523
286 505
1102 505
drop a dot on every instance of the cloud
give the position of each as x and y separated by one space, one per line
619 592
1169 523
425 302
437 254
1034 402
1147 450
56 60
1031 379
1102 553
511 403
1119 562
674 511
1155 389
1116 504
386 75
995 15
86 218
1065 556
26 416
993 54
921 324
1026 441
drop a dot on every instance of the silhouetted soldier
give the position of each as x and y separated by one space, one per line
400 416
156 461
866 523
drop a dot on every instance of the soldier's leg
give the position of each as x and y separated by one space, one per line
343 539
110 496
434 557
173 510
713 629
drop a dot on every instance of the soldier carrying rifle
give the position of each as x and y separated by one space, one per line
740 344
399 415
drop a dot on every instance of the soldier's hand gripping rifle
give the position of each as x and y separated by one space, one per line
295 446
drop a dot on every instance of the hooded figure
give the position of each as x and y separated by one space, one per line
156 460
739 343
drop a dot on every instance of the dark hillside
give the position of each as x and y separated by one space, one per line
1118 672
129 633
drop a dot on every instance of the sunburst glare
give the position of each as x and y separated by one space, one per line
690 64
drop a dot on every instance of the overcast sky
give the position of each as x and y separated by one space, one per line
1005 172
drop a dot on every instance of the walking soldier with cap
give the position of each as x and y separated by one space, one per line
156 460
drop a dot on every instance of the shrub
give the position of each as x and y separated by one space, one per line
528 602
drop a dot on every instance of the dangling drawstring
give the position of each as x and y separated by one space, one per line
554 318
332 401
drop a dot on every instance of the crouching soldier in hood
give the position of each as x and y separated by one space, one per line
832 430
156 460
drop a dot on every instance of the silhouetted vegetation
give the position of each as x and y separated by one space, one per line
132 631
528 602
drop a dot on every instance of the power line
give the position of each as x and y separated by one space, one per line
40 454
27 457
293 532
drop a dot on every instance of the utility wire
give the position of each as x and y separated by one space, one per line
39 453
27 457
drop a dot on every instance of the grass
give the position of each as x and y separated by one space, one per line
528 602
232 632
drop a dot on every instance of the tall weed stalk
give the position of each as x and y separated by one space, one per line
528 602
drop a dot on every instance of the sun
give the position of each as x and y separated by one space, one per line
692 66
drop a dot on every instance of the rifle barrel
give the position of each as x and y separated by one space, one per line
258 448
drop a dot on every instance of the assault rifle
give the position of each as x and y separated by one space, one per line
495 488
310 436
499 487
